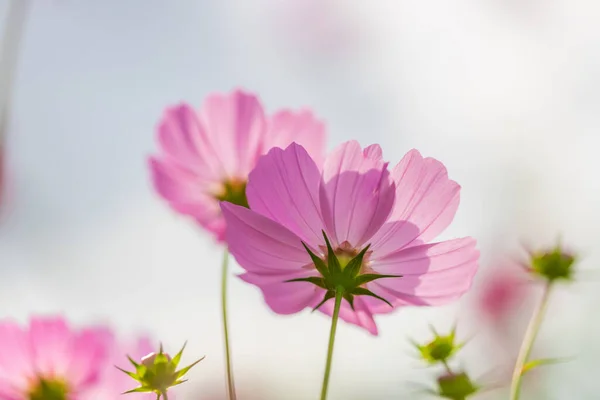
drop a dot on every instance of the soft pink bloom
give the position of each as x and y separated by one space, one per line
503 292
80 361
357 201
206 155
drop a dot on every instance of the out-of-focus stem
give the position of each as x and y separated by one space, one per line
9 54
225 274
528 340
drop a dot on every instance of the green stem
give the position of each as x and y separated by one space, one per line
445 363
165 397
334 319
230 384
528 340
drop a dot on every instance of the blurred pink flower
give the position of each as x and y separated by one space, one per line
356 201
502 291
50 360
206 156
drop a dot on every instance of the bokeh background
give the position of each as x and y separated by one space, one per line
505 92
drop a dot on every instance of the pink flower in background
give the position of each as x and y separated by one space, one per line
50 360
356 201
502 292
206 155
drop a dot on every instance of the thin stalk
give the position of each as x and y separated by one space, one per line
225 274
165 397
334 319
9 55
445 363
528 340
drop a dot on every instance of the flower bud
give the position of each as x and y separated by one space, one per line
157 372
440 349
456 386
553 265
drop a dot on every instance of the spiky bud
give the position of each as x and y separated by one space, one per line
553 265
158 372
456 386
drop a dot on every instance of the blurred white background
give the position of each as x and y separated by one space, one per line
505 92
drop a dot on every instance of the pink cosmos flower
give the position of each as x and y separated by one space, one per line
207 154
356 201
50 360
503 292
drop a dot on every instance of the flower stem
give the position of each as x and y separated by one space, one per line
334 319
9 54
527 345
445 363
165 396
230 384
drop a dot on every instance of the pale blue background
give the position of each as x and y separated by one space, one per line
506 93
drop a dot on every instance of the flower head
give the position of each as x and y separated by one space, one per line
49 360
388 216
157 372
555 264
440 349
456 386
206 155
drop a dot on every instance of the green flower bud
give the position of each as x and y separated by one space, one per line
440 349
158 372
456 386
553 265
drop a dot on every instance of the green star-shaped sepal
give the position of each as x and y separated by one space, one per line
553 265
158 372
345 278
456 386
440 349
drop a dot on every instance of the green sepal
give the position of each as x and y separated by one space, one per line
366 292
346 278
366 278
315 280
332 261
317 261
329 295
353 267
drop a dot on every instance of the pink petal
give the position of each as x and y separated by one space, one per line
16 360
90 350
187 194
301 127
284 187
432 274
185 141
425 199
261 245
236 125
285 297
51 344
356 195
361 316
373 151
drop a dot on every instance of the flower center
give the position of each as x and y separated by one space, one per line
234 191
53 389
345 252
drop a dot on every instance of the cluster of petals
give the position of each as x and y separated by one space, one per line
204 151
81 361
357 201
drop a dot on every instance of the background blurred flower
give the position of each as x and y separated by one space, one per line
356 201
206 156
51 360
